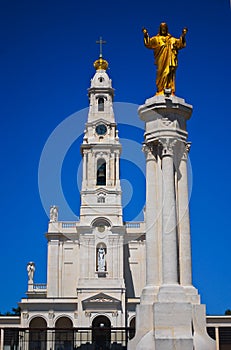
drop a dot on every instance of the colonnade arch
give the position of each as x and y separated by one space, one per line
37 333
64 335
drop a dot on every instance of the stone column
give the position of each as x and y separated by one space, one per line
117 167
112 167
2 339
108 170
169 238
184 222
151 215
217 338
84 169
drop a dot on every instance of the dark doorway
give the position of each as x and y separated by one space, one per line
101 333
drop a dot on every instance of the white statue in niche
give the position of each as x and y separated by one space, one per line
53 213
101 259
30 271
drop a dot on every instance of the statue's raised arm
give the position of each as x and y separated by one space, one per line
165 48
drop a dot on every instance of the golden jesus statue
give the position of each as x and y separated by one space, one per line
165 49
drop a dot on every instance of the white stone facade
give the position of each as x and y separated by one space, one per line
96 266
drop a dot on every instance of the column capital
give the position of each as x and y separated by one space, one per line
186 150
168 145
150 151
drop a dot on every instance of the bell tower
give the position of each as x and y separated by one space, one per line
100 229
101 191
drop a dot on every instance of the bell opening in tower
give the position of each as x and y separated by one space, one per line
101 172
101 104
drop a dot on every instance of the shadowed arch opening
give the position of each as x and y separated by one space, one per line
132 325
101 221
64 334
101 332
100 104
101 172
37 334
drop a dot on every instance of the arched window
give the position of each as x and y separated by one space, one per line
101 222
101 104
101 197
101 172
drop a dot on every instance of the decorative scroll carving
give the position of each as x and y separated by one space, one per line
186 150
166 122
150 151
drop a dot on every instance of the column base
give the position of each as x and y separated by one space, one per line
192 294
171 293
149 295
171 326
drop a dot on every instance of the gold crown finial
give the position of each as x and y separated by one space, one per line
100 63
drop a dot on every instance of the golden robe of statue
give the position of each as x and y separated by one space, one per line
165 49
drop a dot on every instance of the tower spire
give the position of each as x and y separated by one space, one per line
101 64
100 42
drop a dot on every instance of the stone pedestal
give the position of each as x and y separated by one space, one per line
170 315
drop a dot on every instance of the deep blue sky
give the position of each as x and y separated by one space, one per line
46 53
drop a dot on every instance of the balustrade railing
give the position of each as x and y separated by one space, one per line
39 286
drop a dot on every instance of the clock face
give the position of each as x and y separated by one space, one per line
101 129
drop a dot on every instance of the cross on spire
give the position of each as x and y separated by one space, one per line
100 42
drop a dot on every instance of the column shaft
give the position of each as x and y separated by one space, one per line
151 217
2 339
170 275
217 338
84 170
117 168
184 225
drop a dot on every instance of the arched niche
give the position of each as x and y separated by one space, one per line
101 259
